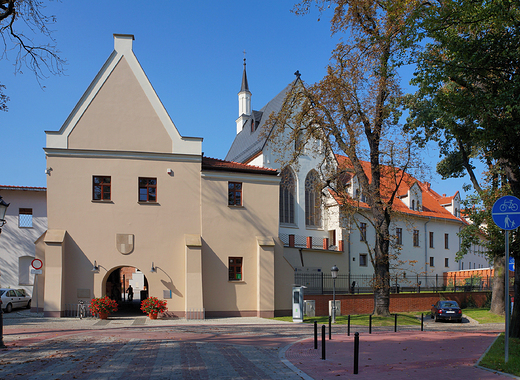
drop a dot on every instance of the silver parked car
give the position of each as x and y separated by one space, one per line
14 298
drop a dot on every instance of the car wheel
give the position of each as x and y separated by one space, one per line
436 319
8 308
29 304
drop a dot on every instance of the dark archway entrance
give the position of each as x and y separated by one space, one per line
128 286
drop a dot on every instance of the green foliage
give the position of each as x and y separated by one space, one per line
494 358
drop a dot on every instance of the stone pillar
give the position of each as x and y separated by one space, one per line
54 273
193 300
265 277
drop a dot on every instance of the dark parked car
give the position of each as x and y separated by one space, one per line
13 298
447 310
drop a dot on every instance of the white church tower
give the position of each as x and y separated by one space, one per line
244 102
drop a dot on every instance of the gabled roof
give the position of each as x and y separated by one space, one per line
248 142
431 201
221 165
123 58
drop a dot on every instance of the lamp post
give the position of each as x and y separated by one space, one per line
3 209
334 273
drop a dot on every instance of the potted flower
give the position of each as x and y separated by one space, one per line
153 306
103 306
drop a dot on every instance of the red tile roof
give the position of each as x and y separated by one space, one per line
22 188
431 201
230 166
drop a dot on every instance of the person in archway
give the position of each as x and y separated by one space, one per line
130 292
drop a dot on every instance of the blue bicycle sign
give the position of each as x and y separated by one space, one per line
508 205
505 212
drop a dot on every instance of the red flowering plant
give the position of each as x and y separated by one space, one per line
153 305
103 305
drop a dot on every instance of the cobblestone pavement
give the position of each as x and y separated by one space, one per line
231 348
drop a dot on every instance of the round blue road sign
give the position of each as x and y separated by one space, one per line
506 212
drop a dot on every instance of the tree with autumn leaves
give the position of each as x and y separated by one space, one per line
354 110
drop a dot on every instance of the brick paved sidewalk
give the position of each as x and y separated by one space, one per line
140 354
138 348
402 355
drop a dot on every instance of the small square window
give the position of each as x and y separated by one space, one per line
25 218
101 188
363 260
147 189
235 193
235 269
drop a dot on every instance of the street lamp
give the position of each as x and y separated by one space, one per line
3 209
334 273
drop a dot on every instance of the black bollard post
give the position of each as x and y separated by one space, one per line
370 324
323 342
330 328
2 345
315 335
356 353
422 322
395 324
348 324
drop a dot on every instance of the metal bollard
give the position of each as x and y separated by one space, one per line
422 322
330 328
315 335
395 323
348 324
370 324
323 342
2 345
356 353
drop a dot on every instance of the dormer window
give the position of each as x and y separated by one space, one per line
413 204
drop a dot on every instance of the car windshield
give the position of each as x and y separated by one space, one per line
449 304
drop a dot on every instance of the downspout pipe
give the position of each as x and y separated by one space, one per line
426 246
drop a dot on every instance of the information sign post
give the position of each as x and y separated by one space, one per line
506 215
37 265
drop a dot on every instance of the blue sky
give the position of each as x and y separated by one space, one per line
192 53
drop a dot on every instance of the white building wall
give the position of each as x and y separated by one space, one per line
17 247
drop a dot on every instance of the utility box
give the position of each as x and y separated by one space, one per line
338 307
310 308
297 303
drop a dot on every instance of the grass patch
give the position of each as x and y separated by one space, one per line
403 319
483 315
494 359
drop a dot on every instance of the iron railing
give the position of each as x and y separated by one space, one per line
322 283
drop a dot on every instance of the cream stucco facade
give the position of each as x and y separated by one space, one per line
180 224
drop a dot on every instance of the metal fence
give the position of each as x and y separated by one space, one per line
322 283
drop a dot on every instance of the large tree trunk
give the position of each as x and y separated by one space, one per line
498 294
514 331
382 265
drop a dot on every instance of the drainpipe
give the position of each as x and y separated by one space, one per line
460 242
426 247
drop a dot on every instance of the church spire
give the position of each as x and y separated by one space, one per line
244 101
245 86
